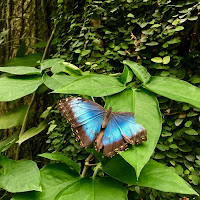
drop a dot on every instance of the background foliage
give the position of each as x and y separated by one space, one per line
163 37
97 36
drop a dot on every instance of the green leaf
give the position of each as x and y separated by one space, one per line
54 178
191 132
3 33
175 89
153 175
19 176
8 142
157 59
130 15
72 70
13 118
138 70
148 114
20 70
122 53
179 28
188 124
62 158
32 132
126 76
92 85
85 52
179 169
195 79
166 60
153 43
192 18
94 189
173 41
56 65
12 88
57 80
28 60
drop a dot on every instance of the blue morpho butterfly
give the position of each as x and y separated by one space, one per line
93 123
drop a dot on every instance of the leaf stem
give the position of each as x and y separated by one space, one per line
87 160
24 125
96 169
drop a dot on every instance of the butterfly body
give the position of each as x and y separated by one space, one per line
93 123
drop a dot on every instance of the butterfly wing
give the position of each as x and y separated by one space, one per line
122 129
85 117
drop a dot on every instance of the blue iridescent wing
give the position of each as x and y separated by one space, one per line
122 129
85 117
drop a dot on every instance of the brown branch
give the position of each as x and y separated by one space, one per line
48 43
87 160
22 19
8 26
195 33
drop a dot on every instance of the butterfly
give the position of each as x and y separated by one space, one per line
109 130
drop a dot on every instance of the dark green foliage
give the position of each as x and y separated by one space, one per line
101 36
98 35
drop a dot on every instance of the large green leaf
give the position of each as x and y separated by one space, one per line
13 118
12 88
28 60
19 176
145 106
32 132
138 70
54 178
8 142
94 189
93 85
175 89
20 70
57 80
153 175
62 158
148 114
59 182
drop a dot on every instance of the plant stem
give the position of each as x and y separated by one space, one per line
87 160
48 43
24 125
97 168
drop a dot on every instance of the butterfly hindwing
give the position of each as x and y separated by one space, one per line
112 139
85 117
122 129
131 131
